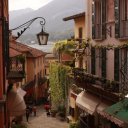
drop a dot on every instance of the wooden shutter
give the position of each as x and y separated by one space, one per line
6 41
93 69
103 6
103 62
117 18
99 28
80 34
93 20
116 64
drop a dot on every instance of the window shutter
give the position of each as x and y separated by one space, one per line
116 64
117 18
6 40
103 6
103 63
93 20
93 69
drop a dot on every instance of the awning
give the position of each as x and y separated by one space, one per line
21 92
91 103
118 113
87 102
15 104
102 106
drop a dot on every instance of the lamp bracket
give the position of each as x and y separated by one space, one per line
27 24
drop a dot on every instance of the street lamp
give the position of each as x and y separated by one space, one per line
42 36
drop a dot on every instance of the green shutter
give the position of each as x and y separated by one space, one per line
116 64
93 69
103 63
93 20
103 6
117 18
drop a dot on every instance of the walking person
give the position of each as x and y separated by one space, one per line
27 113
34 110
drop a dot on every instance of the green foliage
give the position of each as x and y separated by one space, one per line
58 83
74 125
64 46
21 58
76 89
19 126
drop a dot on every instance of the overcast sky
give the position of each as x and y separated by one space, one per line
21 4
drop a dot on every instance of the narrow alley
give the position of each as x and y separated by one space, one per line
42 121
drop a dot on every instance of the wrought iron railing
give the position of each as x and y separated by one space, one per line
100 86
41 80
16 68
82 78
124 29
29 84
83 124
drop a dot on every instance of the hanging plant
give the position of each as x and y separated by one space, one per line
21 59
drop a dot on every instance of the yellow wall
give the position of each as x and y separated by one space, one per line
79 22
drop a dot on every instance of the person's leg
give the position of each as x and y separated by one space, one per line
34 113
27 117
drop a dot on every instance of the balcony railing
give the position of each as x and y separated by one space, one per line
124 29
29 84
97 85
16 69
41 80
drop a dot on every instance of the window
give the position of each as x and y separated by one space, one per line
121 18
124 9
81 62
71 111
103 61
93 59
99 19
116 64
98 12
124 68
80 34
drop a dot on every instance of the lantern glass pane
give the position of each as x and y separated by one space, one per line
43 39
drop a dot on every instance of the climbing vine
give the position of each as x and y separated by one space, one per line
58 83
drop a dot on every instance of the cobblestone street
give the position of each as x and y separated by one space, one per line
42 121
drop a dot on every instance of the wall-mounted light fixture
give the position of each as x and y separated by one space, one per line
41 36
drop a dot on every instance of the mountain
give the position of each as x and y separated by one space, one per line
17 13
53 12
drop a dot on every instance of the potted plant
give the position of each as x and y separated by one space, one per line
61 114
74 125
115 86
53 112
19 126
107 85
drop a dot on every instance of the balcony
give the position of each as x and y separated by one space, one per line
16 69
29 85
124 29
99 86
